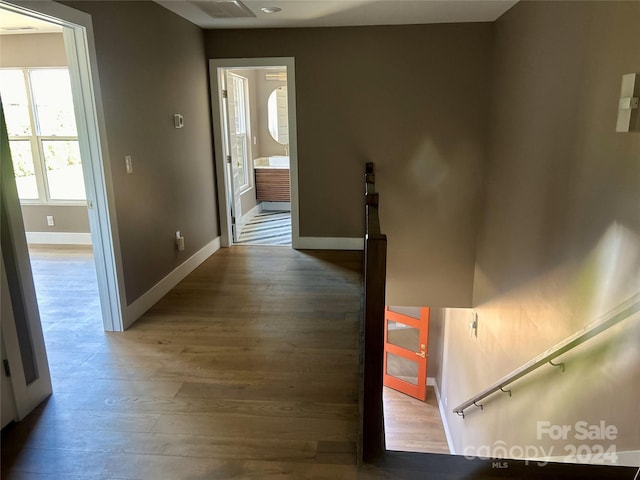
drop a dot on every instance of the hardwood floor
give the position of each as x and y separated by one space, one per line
247 369
411 425
66 285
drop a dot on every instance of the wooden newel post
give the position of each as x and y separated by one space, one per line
375 270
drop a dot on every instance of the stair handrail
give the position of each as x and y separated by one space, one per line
623 311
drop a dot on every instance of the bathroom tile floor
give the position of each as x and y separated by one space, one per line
267 228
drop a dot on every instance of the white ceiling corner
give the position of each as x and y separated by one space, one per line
332 13
12 23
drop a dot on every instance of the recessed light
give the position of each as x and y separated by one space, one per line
271 9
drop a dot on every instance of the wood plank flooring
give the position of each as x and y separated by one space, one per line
65 281
247 369
411 425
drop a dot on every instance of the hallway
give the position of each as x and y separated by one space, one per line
247 369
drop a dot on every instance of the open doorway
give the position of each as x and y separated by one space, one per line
256 155
52 158
35 87
413 413
57 142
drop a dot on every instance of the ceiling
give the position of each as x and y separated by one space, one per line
330 13
14 23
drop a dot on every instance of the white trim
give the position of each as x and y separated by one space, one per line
137 308
58 238
330 243
443 416
226 236
246 217
431 382
275 206
629 458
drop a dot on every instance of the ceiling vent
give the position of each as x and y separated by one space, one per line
225 9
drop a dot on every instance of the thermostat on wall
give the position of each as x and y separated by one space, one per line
178 120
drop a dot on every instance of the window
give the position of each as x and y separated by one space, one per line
239 131
43 138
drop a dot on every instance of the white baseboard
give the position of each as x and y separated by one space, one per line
59 238
443 416
247 216
330 243
138 307
431 382
627 459
275 206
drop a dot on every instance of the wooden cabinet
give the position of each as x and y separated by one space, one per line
272 185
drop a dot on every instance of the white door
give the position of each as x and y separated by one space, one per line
23 341
8 401
237 146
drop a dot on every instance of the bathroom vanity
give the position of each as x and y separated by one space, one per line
272 179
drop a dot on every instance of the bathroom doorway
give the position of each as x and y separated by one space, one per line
256 152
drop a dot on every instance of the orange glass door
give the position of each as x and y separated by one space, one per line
405 352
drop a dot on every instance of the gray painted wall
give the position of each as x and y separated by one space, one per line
268 145
146 75
560 244
42 50
394 96
72 219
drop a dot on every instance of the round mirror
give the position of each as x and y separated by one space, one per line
278 115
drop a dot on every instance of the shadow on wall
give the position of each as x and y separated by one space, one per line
600 383
582 288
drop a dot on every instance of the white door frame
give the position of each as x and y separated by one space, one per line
83 71
224 197
235 193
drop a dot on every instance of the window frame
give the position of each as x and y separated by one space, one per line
36 143
246 135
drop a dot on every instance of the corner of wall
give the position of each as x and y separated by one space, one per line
137 308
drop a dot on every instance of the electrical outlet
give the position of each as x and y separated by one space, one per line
50 221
